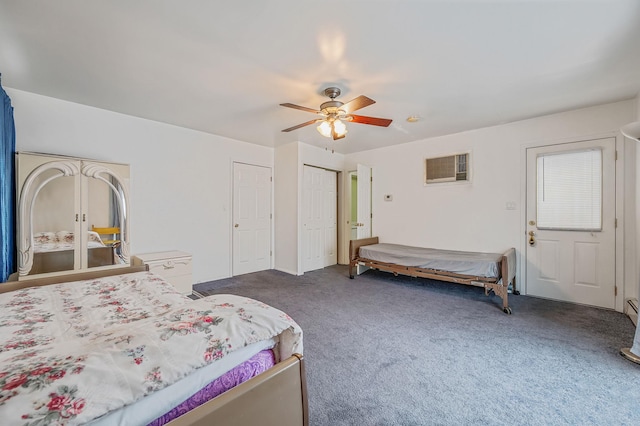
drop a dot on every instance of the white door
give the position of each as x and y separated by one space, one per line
363 207
312 218
570 254
330 184
363 225
251 218
319 218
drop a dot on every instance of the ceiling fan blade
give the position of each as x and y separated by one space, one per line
288 105
362 119
356 104
302 125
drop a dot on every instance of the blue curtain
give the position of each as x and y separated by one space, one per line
7 187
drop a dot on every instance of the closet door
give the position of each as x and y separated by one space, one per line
319 218
330 183
313 222
48 204
104 214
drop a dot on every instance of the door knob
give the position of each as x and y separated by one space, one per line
236 225
532 240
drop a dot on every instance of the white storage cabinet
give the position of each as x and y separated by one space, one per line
173 266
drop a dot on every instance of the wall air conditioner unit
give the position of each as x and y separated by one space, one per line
451 168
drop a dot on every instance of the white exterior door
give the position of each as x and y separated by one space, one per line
319 224
251 218
570 254
363 226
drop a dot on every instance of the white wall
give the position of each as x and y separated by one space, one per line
474 216
286 221
181 179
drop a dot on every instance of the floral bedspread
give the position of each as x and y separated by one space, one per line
62 240
72 352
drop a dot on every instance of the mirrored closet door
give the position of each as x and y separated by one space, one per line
72 214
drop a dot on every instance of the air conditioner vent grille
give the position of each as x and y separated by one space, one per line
447 169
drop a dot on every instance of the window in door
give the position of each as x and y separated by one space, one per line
569 190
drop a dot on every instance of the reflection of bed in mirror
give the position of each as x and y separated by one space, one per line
54 252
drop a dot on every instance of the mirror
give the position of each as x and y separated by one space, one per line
53 224
64 206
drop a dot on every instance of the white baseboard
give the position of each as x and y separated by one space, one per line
286 271
631 309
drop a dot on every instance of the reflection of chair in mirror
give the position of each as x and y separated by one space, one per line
110 236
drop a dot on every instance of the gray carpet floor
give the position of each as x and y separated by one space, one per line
385 350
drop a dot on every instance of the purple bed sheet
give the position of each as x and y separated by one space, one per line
255 365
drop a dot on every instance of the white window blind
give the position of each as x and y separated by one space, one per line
569 190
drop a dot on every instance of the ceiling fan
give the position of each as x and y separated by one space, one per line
335 112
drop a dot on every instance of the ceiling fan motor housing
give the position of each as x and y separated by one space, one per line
332 92
332 108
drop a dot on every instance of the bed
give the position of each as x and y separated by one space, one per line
54 252
129 349
493 271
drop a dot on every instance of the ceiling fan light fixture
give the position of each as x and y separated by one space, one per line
325 129
340 128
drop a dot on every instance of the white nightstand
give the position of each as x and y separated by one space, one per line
174 266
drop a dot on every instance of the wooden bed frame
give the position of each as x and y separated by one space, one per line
498 286
277 397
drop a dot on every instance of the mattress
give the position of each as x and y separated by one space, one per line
459 262
74 352
160 407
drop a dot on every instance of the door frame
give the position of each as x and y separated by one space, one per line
231 206
619 208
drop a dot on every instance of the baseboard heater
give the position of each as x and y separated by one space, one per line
631 309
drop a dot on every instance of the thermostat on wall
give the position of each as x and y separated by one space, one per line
388 197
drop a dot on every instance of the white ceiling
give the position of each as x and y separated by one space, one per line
224 67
